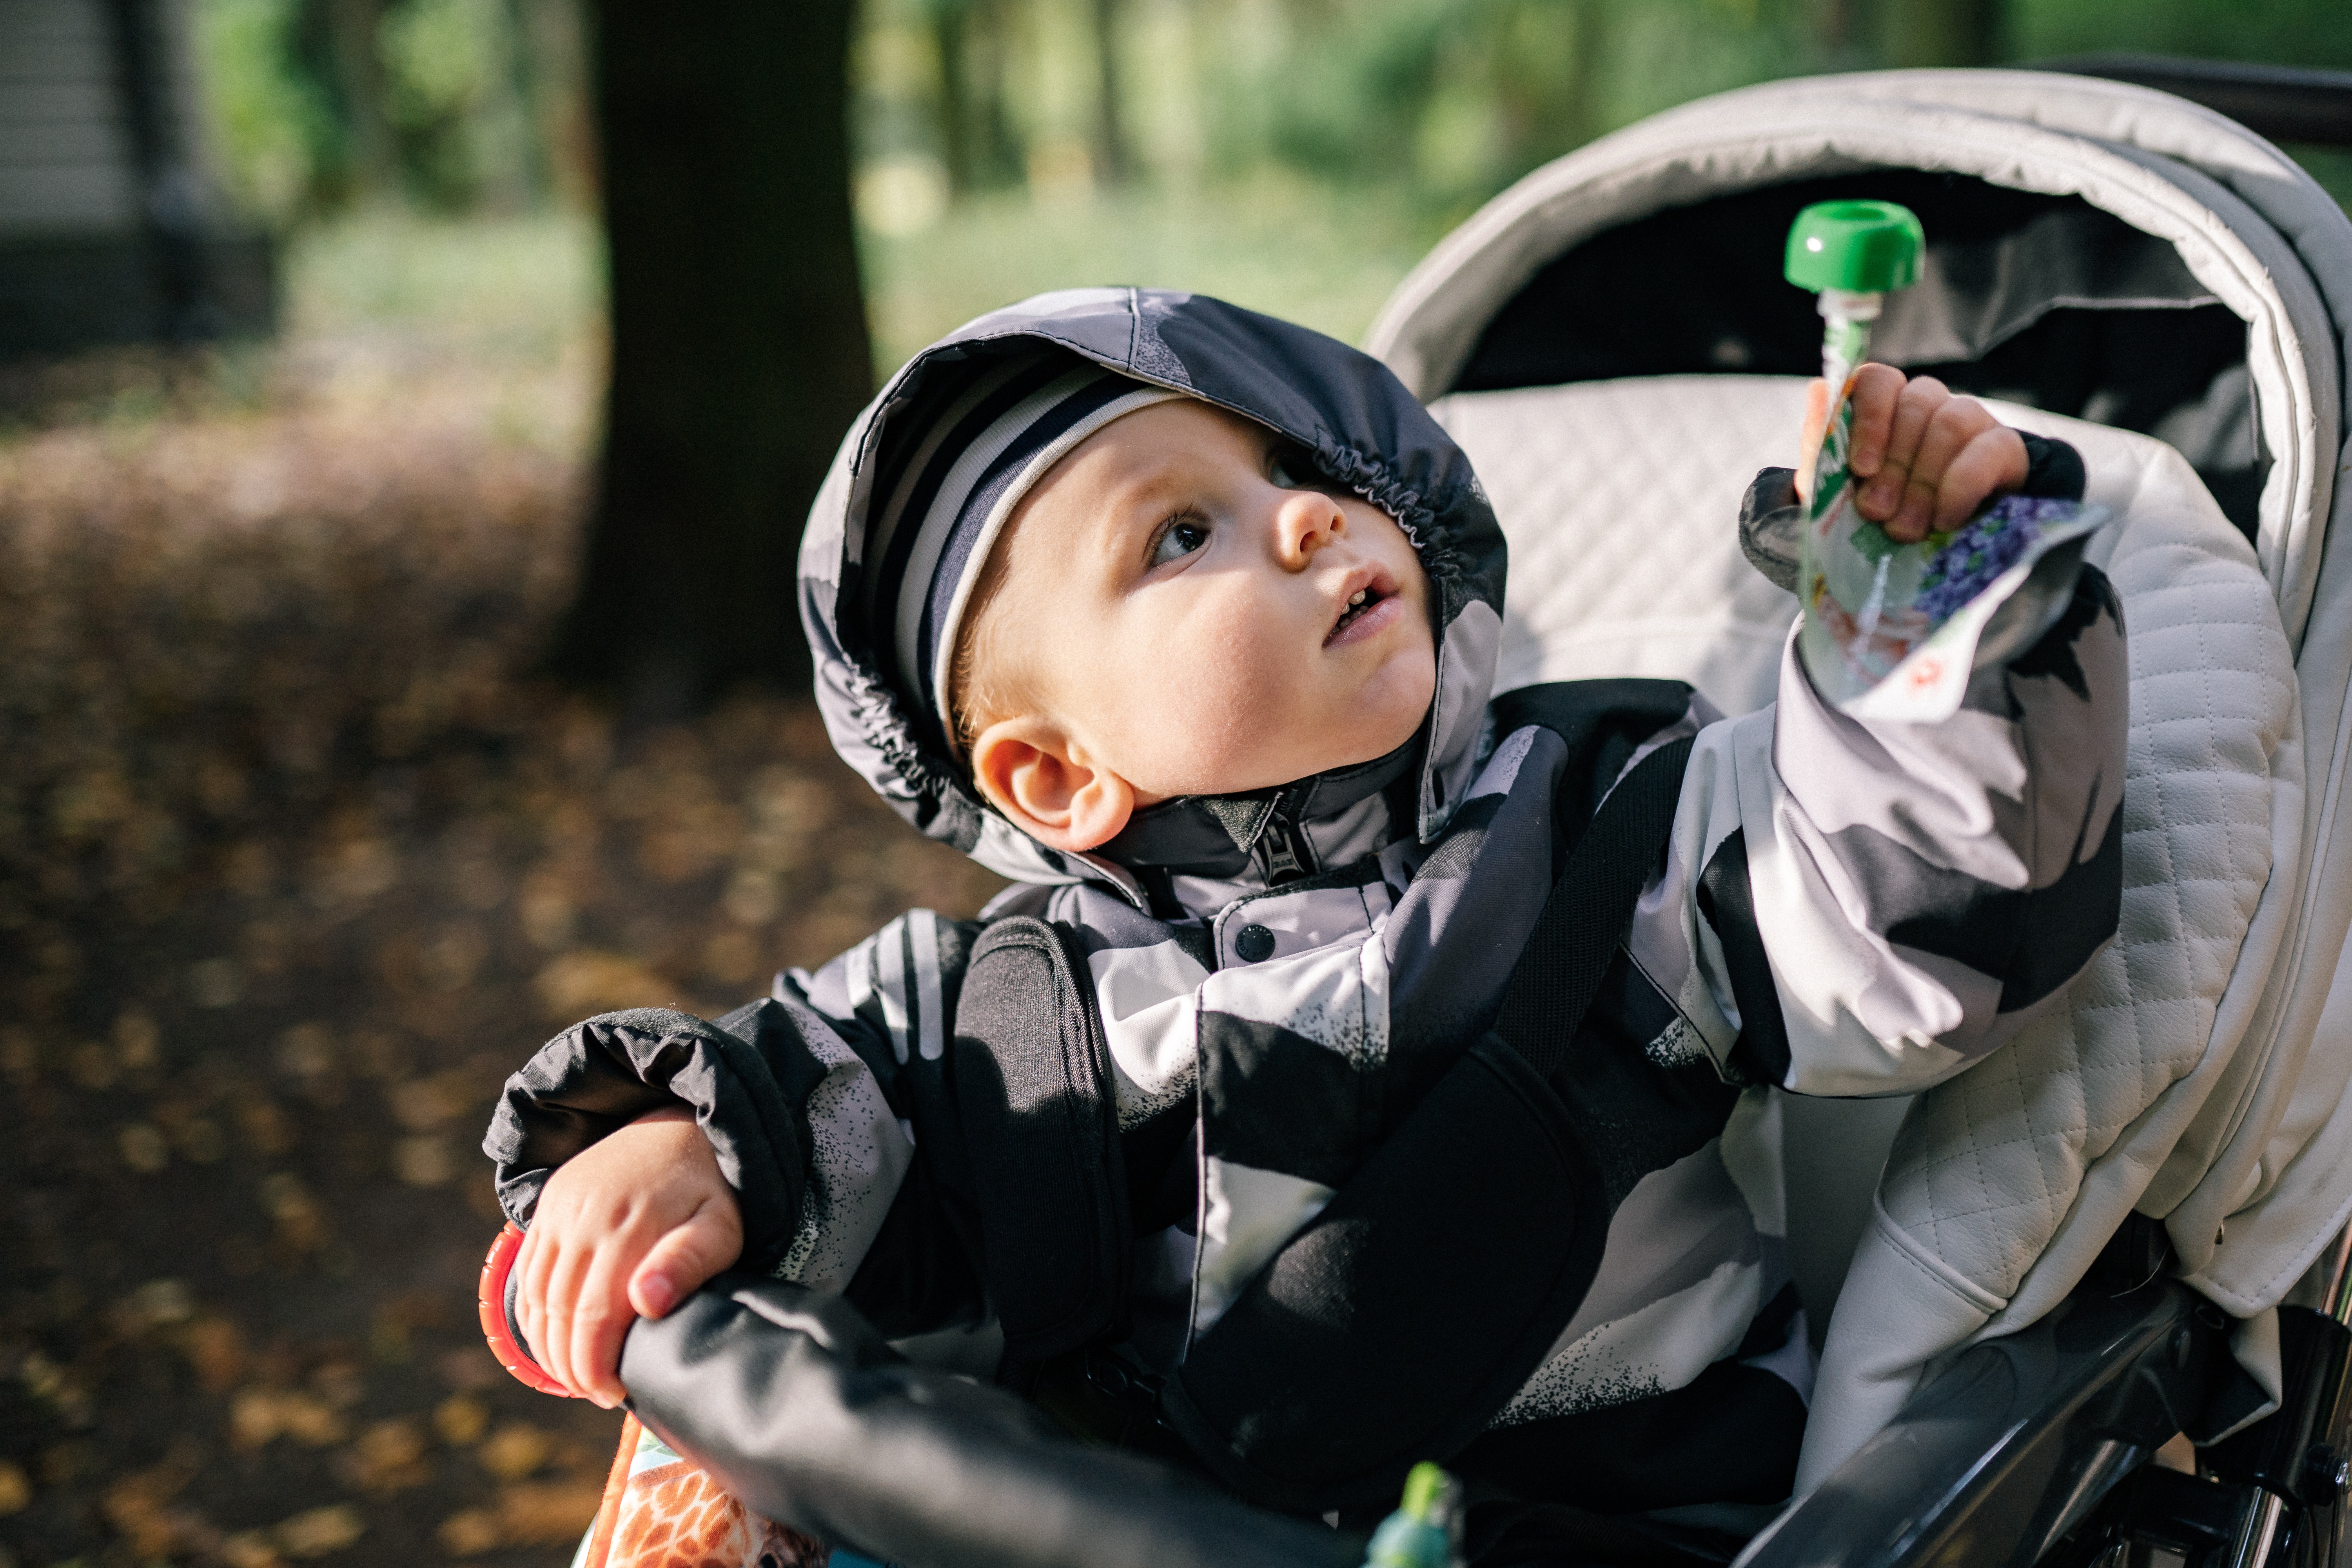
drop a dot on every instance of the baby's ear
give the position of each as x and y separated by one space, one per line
1049 785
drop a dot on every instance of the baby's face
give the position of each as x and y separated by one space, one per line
1203 619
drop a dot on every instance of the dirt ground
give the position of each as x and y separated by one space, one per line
296 862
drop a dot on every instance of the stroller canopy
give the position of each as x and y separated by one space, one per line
2130 269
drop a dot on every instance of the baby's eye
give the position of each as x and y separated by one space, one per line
1178 540
1291 470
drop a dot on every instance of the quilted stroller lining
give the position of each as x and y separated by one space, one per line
2177 1074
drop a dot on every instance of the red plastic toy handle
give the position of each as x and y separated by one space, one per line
492 1301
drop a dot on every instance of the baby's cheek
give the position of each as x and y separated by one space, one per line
1390 706
1215 712
1211 721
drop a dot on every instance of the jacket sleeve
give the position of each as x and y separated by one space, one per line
795 1093
1854 908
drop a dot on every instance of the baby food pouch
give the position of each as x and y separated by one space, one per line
1891 631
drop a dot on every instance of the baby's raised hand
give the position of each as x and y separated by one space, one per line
1922 458
627 1229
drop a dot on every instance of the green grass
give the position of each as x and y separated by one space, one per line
519 300
523 285
1309 253
524 288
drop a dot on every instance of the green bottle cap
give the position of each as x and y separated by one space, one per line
1862 247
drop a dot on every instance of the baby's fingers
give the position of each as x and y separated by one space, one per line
531 1266
1877 394
1881 496
1930 492
600 1320
710 1240
544 1304
1993 462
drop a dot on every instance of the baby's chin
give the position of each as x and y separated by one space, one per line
1271 768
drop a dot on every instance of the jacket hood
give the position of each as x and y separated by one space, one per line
1365 431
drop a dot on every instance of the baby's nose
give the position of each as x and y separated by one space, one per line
1305 522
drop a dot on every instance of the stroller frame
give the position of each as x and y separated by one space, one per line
2034 1440
2038 1447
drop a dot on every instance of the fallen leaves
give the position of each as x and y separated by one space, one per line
250 1548
577 985
423 1104
57 1387
259 1416
16 1487
548 1514
398 1321
301 1223
471 1531
388 1457
301 862
142 1507
216 983
157 1304
319 1531
215 1352
143 1148
263 1126
542 1515
93 1066
460 1420
514 1452
424 1161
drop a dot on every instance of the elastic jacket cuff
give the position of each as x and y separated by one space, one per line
598 1076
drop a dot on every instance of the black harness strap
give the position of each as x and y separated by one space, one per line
1559 970
1032 1086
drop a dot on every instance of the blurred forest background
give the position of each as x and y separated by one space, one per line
1294 154
302 850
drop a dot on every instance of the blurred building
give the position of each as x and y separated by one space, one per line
109 231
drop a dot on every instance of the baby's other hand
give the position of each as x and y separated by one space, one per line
627 1229
1922 458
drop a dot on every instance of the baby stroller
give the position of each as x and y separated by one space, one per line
2092 1241
2127 1227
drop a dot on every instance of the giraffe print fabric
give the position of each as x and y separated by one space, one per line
662 1510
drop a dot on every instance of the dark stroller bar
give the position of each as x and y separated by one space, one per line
2040 1441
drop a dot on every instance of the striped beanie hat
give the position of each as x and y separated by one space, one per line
958 476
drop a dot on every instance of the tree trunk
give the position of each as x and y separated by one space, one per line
1112 163
955 142
1589 69
372 163
170 204
1834 27
1941 32
998 157
739 350
552 72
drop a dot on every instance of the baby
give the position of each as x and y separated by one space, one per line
1186 620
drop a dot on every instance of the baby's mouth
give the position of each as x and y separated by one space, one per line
1365 599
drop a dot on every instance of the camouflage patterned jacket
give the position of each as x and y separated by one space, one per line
1152 1102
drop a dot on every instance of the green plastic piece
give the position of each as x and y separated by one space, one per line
1423 1485
1420 1533
1401 1543
1862 247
